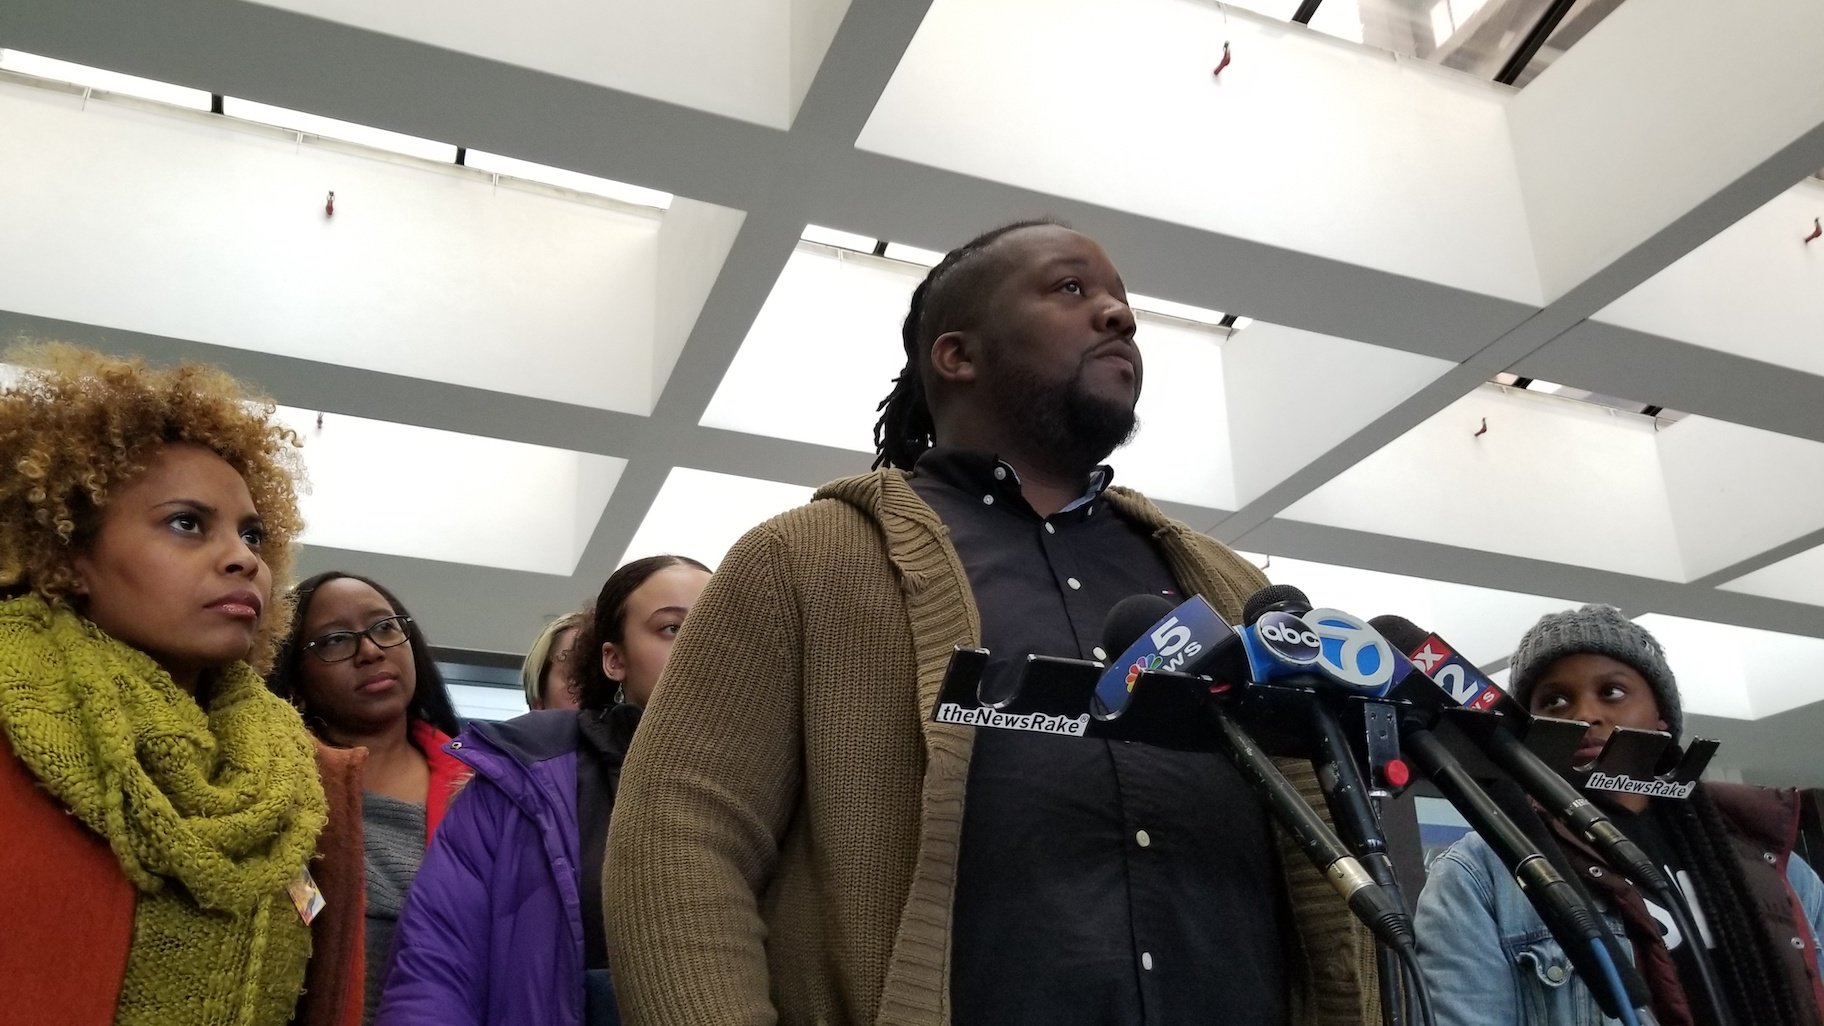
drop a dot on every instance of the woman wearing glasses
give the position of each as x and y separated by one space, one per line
358 668
504 927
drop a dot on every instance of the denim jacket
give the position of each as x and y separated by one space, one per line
1489 960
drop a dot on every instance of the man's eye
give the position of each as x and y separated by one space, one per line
1073 286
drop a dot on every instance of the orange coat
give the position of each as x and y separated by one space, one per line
66 909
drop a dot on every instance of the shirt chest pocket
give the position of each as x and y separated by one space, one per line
1550 989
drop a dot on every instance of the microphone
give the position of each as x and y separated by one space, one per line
1291 640
1555 794
1152 635
1506 750
1169 640
1337 774
1345 793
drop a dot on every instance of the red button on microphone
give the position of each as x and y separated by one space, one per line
1398 773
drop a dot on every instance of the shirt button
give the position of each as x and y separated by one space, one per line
1596 872
1049 529
987 500
1768 857
1555 974
1143 839
1000 473
1146 961
1799 942
1074 584
1099 653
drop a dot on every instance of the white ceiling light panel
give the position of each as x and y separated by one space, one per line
217 231
346 131
829 337
428 494
1571 482
700 514
633 195
1483 624
1431 191
752 61
1755 289
1562 482
1738 672
1798 578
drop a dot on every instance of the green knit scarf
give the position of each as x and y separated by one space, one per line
211 812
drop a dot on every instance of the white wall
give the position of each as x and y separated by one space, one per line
813 26
731 58
1304 141
430 494
1797 578
1738 491
1662 106
694 240
200 228
822 352
1755 289
1294 395
1552 480
700 514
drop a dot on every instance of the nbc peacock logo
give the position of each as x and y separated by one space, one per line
1142 665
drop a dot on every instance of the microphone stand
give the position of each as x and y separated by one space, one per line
1359 823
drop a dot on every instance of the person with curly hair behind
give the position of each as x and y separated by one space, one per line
176 847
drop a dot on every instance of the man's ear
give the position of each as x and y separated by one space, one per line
953 356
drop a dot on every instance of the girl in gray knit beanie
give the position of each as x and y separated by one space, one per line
1761 907
1600 631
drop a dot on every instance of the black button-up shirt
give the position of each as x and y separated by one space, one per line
1098 882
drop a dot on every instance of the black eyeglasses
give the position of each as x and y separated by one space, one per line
340 646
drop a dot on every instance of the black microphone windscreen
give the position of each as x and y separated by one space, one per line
1130 618
1400 632
1274 595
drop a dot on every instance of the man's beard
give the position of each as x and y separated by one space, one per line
1066 425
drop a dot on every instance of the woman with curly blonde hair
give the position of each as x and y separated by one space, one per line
176 848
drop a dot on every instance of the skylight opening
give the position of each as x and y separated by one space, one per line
54 70
852 242
575 181
333 128
1540 386
317 125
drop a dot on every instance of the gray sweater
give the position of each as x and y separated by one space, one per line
394 834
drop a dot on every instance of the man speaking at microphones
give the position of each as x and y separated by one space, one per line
796 841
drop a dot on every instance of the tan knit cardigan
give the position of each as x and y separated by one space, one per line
784 842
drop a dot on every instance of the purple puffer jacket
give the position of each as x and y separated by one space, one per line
492 931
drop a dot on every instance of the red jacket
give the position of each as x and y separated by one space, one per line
448 774
66 909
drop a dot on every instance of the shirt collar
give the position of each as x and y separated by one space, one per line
979 472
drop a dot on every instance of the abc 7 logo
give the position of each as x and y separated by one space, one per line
1290 636
1359 656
